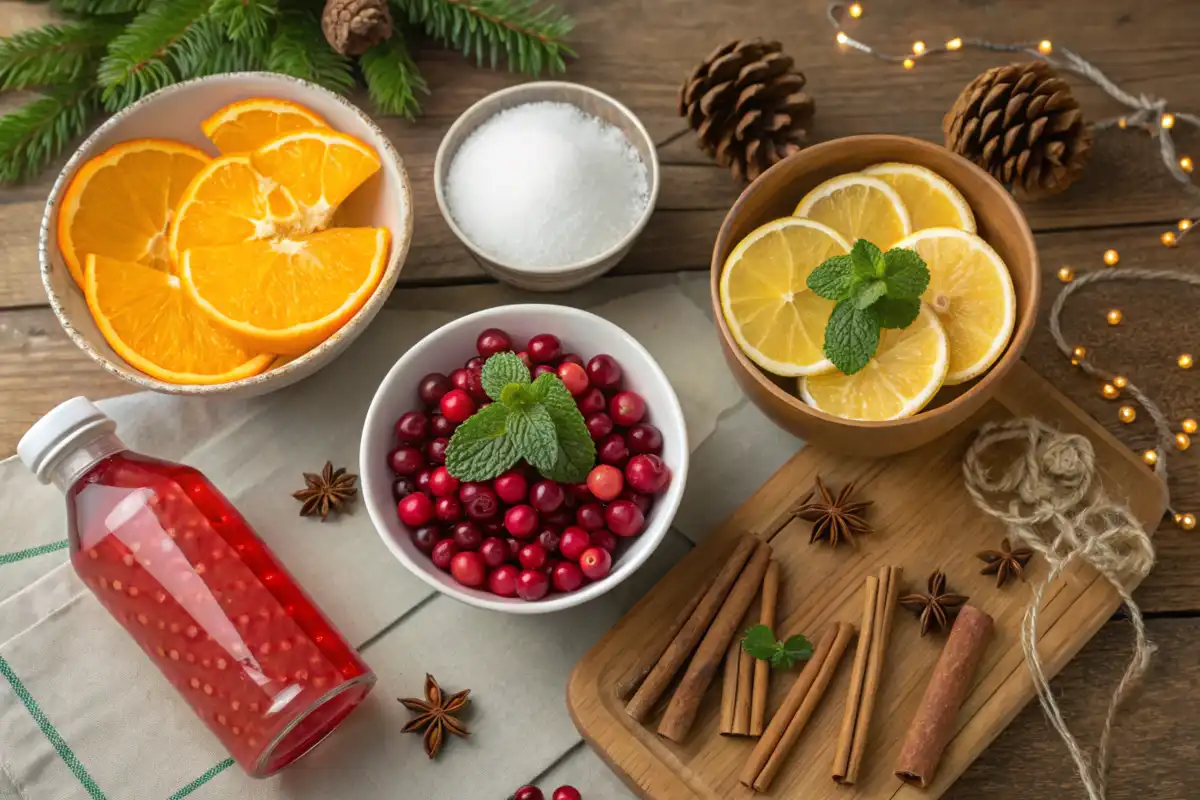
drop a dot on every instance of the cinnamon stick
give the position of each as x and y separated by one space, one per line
634 678
762 669
845 740
729 687
684 642
745 689
736 688
797 709
681 711
933 726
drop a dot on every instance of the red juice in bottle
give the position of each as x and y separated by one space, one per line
182 571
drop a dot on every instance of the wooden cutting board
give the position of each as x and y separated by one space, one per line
924 520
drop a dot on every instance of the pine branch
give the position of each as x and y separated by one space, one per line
204 49
138 61
101 7
53 55
37 132
392 77
246 20
530 37
299 49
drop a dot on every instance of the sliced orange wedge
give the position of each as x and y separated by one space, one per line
146 318
319 168
248 124
120 203
287 295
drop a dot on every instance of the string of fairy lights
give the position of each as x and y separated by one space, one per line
1146 113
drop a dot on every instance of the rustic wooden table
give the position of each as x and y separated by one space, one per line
639 51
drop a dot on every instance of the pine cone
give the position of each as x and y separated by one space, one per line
354 26
746 105
1022 124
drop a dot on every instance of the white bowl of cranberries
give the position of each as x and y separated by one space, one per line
525 458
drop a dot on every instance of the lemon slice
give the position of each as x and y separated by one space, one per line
972 292
906 372
777 321
858 207
931 200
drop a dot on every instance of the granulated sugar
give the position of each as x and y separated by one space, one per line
546 185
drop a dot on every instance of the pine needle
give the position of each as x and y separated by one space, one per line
530 37
204 49
101 7
245 20
299 49
392 78
52 55
38 132
138 60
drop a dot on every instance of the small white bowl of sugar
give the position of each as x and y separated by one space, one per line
548 184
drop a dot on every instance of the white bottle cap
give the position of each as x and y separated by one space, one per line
65 428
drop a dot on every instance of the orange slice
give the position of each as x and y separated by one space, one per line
319 168
248 124
146 318
120 203
230 202
287 295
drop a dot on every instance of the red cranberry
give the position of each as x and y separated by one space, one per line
514 546
566 576
599 425
473 363
460 379
402 487
604 372
525 359
435 450
542 369
483 505
644 438
647 473
441 427
546 496
425 537
412 427
642 501
571 358
566 793
573 377
580 493
406 460
468 569
475 382
447 509
573 542
613 450
591 401
510 487
532 584
521 521
502 580
548 538
493 341
493 550
596 562
443 552
560 517
624 518
492 527
432 387
532 556
529 793
466 535
606 482
590 516
626 408
544 348
458 406
415 510
442 483
423 478
468 491
604 539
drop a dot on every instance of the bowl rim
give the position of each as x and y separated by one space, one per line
982 386
667 504
486 103
300 364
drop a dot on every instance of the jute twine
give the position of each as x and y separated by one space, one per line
1049 501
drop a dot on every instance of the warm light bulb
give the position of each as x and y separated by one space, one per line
1186 165
1167 120
842 38
1182 441
909 63
918 47
1127 414
1078 351
1150 457
1045 47
1188 425
954 44
1168 238
1184 224
1184 361
1111 257
856 10
1114 316
1120 381
1110 392
1066 274
1121 123
1186 521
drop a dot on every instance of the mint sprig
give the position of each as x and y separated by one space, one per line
873 290
534 420
760 643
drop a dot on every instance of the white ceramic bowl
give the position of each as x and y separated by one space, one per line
176 113
450 346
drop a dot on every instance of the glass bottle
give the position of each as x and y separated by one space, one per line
182 571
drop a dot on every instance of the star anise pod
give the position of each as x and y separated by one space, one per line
936 607
436 715
835 518
332 490
1005 563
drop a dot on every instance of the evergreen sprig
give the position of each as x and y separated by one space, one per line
102 7
300 50
245 19
53 55
531 37
392 78
39 131
139 61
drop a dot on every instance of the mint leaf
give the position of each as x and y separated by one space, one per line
532 432
796 648
851 337
867 260
892 313
518 395
502 369
759 642
480 449
907 276
833 279
576 451
868 293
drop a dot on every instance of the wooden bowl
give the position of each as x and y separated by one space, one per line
1000 221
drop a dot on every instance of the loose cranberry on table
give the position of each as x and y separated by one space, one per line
574 377
457 405
647 473
613 450
532 584
529 793
591 402
435 450
548 538
492 341
425 538
546 496
511 487
412 427
566 793
598 425
624 518
447 509
521 521
431 388
604 372
590 516
406 460
493 549
604 539
502 580
544 348
596 562
442 483
644 438
415 510
605 482
441 427
468 569
532 556
566 576
468 537
402 487
573 542
625 408
443 553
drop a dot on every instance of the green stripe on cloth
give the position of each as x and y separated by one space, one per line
21 555
64 749
213 772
